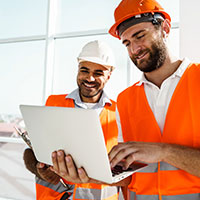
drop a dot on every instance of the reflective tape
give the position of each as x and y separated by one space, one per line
182 197
134 196
58 187
153 167
167 167
100 194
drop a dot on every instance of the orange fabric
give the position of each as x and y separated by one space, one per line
44 193
129 8
60 101
109 127
181 127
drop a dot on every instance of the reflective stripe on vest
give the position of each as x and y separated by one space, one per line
165 166
105 193
153 167
58 187
133 196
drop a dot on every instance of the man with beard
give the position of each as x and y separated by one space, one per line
159 115
96 63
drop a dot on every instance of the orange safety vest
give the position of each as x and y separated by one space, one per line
46 191
182 126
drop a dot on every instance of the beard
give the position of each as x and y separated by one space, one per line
157 56
89 93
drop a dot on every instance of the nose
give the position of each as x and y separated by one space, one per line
135 48
90 78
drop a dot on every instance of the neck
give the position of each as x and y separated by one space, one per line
94 99
170 65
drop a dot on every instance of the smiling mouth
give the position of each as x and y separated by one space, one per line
141 56
89 85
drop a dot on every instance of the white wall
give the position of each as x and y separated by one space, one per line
190 29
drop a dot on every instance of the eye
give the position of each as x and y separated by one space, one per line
126 44
140 36
84 71
98 74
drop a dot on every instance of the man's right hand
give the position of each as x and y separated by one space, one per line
47 174
39 169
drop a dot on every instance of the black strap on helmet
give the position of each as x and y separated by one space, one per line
145 17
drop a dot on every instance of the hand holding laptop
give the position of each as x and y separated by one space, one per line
64 166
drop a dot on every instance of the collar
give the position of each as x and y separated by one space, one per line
178 73
77 100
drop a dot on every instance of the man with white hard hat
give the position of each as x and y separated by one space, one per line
160 114
95 65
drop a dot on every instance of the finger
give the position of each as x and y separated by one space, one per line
63 171
40 165
41 168
114 151
55 162
72 170
121 156
51 168
129 160
117 148
83 175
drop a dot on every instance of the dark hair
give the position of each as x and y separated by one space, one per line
157 23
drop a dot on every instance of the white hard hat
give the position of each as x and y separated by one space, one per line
97 52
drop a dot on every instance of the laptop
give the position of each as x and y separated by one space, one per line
78 132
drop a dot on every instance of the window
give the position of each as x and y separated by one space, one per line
22 74
85 15
22 18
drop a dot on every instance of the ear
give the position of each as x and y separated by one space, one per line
166 26
109 75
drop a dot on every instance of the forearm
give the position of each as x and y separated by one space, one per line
30 161
182 157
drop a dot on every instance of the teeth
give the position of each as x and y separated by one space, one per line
89 85
141 56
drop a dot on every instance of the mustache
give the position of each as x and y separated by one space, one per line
90 82
141 52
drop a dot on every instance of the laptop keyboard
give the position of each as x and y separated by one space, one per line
118 170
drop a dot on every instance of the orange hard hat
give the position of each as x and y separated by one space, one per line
130 8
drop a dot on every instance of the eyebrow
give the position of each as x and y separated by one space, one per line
84 68
134 35
99 70
96 71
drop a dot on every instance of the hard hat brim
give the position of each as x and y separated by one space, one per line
96 60
113 30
